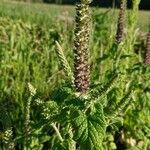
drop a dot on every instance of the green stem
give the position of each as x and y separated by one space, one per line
57 132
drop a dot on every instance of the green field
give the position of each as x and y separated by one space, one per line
40 108
43 13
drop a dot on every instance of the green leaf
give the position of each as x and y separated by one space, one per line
65 145
80 124
89 128
44 138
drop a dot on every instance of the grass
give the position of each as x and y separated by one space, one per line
144 20
34 13
41 13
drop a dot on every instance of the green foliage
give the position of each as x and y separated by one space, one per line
52 113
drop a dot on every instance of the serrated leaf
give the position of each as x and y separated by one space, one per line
90 128
80 122
81 132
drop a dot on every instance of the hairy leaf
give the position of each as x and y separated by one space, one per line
89 128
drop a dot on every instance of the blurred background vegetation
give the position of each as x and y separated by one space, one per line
145 4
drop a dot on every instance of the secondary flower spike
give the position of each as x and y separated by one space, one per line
147 57
121 22
81 46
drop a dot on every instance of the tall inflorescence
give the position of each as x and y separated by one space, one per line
147 57
81 47
121 22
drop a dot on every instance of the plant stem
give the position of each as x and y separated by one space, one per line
57 132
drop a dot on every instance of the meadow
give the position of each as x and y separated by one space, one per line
43 13
33 87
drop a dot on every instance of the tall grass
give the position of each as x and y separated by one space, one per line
43 13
